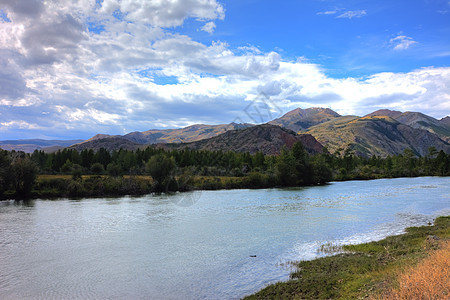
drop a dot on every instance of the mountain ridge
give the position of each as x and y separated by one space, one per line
302 119
266 138
382 132
375 135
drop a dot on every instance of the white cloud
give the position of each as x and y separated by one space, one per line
401 42
352 14
165 13
328 12
209 27
19 125
58 77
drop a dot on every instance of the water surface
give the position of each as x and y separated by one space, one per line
151 247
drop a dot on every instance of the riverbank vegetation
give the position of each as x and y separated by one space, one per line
69 173
415 265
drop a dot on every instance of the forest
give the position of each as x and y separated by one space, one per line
69 173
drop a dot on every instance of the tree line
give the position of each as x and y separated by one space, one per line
122 171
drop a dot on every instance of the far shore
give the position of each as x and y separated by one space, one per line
64 186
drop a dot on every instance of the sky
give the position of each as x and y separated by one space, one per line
71 69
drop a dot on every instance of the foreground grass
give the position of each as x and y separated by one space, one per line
371 269
430 279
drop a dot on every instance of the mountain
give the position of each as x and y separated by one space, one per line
32 144
109 143
183 135
266 138
385 112
375 135
445 120
302 119
418 120
383 132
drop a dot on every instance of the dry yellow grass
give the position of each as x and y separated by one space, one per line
430 279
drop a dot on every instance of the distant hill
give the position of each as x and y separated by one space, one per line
375 135
420 121
266 138
109 143
29 145
181 135
302 119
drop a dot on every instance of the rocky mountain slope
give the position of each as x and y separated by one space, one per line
375 135
180 135
266 138
418 120
109 143
445 120
302 119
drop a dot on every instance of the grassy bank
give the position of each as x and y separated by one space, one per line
378 269
64 185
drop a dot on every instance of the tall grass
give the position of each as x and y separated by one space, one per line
430 279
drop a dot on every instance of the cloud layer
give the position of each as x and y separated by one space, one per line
75 68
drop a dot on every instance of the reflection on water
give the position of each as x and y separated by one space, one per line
226 245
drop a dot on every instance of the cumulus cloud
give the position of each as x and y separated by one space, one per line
57 76
401 42
209 27
24 8
165 13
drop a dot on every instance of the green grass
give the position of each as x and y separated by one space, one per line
361 270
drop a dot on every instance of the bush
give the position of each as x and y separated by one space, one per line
97 168
114 170
77 171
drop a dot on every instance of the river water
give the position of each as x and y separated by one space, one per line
218 245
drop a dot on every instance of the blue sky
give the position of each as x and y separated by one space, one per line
72 69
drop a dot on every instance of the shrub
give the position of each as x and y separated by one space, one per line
97 168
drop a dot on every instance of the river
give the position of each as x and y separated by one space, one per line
200 245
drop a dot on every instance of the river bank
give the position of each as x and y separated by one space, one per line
65 186
372 269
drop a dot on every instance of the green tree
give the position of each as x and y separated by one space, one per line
97 168
114 170
160 167
303 170
321 171
285 168
5 170
24 172
432 152
66 167
76 172
442 163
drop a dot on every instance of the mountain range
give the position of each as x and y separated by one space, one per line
383 132
29 145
